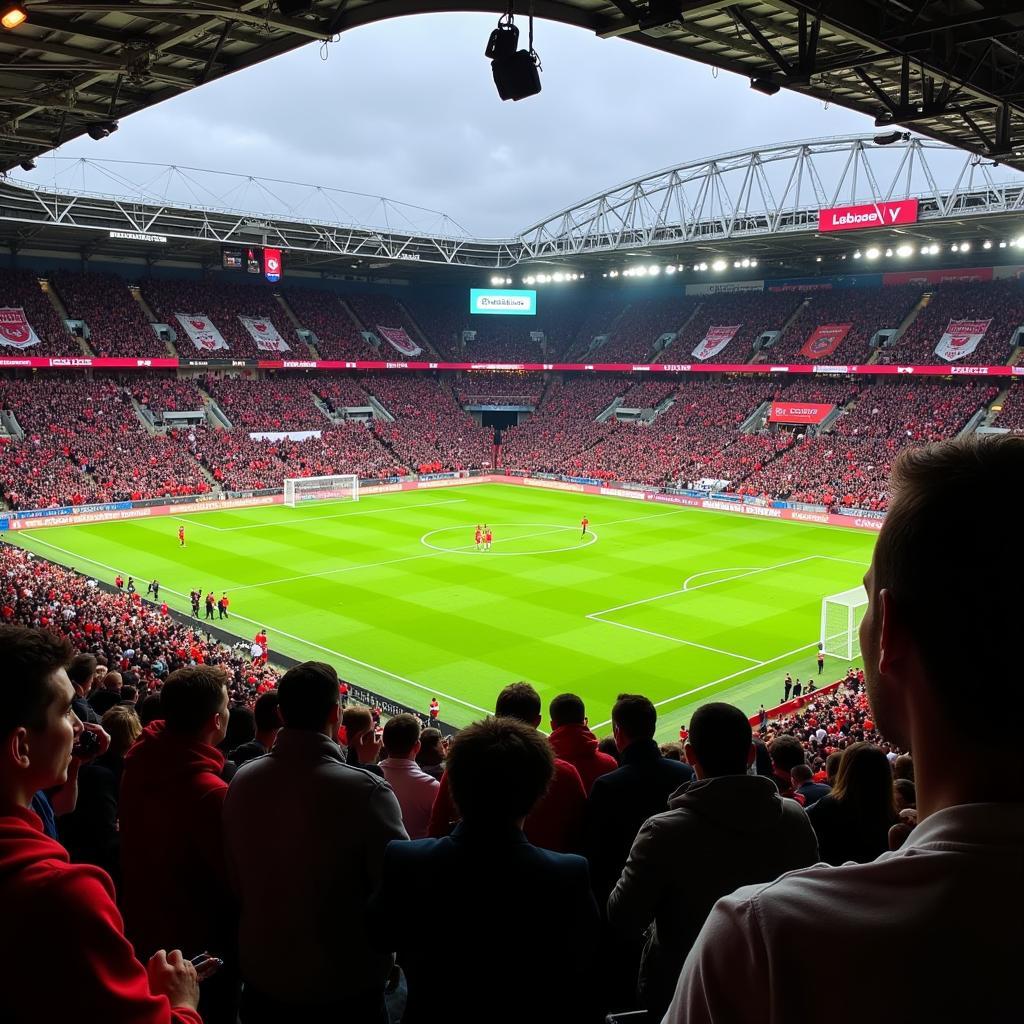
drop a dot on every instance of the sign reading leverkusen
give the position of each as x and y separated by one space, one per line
874 215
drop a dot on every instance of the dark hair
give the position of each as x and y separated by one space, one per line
634 715
720 735
307 694
191 696
801 773
787 752
608 746
150 709
906 790
129 694
498 769
864 783
518 700
832 763
431 747
903 767
355 718
241 728
673 751
29 657
81 669
401 734
567 709
935 489
266 711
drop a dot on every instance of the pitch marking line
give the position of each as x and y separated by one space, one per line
310 519
280 632
473 549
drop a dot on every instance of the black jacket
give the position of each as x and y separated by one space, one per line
620 802
89 832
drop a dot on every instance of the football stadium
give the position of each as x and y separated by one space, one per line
356 566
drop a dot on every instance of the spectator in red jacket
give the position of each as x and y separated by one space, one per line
172 849
63 946
786 752
556 821
572 741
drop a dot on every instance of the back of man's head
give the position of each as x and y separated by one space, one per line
81 670
946 601
832 763
903 767
566 709
521 701
191 697
401 734
266 712
29 657
720 740
801 774
634 717
356 719
150 710
498 769
431 747
112 681
307 695
787 752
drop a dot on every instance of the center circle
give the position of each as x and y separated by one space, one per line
543 529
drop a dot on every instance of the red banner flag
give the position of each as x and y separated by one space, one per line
824 340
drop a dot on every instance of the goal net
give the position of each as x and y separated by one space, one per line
841 616
299 490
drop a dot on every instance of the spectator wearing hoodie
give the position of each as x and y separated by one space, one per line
556 820
172 852
63 948
725 830
572 741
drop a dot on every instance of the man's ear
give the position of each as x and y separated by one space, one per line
690 755
751 754
334 718
16 748
893 640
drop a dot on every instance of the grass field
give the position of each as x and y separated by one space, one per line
680 604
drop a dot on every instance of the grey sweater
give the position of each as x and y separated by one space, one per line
717 835
304 836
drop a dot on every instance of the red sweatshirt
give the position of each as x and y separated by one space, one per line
556 823
63 946
175 890
578 745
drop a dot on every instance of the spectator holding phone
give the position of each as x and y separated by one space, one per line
50 905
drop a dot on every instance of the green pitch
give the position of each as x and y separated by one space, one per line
683 605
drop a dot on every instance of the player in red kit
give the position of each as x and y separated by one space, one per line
181 536
584 522
478 537
488 537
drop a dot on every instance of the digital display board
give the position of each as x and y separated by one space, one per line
231 258
503 301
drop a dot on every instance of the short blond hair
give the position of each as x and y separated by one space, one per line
124 727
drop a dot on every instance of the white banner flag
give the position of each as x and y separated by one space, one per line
962 337
264 333
715 340
204 335
399 340
15 330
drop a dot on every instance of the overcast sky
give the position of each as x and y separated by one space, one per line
407 109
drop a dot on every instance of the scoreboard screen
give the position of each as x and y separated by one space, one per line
253 259
503 301
231 258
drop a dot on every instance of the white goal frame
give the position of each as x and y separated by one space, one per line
301 489
841 616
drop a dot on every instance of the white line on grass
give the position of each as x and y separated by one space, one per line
278 523
676 640
281 632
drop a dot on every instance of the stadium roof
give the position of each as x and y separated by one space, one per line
950 69
760 204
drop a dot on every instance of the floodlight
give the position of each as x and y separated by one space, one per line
872 253
28 165
718 265
817 259
904 250
12 16
516 72
290 8
888 252
856 255
888 140
765 85
986 244
670 270
101 130
654 270
1002 245
954 247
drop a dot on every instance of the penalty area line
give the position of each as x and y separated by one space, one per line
280 632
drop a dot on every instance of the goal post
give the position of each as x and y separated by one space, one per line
299 490
841 616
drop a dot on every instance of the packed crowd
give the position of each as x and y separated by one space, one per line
163 393
117 326
1002 302
22 289
867 310
379 310
499 387
337 334
162 795
251 406
1011 414
641 324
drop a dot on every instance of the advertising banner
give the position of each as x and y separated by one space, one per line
962 337
715 340
204 335
15 330
824 340
871 215
952 275
799 412
399 340
272 265
724 287
265 334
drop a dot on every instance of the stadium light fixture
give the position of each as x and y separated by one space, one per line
888 252
701 266
892 137
101 130
765 86
654 271
753 263
954 247
965 246
986 244
558 276
872 253
856 255
719 265
746 263
1002 245
670 270
516 72
903 251
817 259
28 165
13 16
614 273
